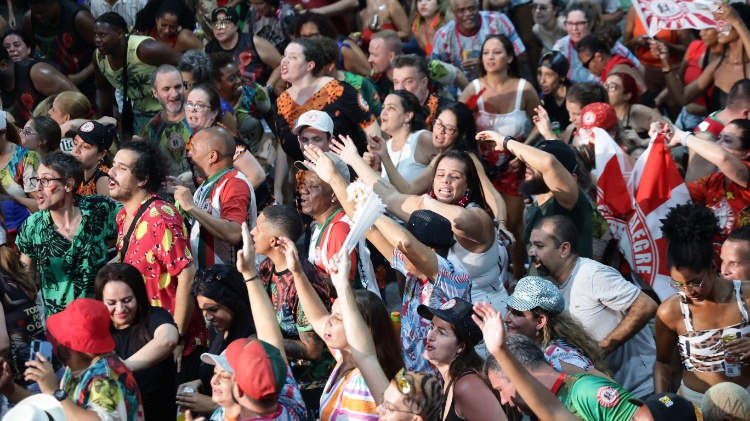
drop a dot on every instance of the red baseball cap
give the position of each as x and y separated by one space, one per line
598 114
83 326
259 368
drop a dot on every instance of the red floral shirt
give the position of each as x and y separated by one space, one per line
160 249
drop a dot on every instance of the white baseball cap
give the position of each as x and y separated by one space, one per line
315 119
220 360
39 407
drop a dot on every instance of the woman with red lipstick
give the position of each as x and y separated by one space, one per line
221 295
145 336
708 317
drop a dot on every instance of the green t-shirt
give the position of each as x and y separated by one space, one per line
580 215
594 398
173 137
69 269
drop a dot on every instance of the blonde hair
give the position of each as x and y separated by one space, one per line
11 263
566 327
42 109
74 104
444 11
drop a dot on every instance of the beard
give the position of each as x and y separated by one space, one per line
541 270
534 186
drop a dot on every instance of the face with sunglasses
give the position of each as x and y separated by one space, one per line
695 285
593 62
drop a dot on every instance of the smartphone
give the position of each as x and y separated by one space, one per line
41 346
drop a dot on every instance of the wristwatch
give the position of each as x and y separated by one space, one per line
60 395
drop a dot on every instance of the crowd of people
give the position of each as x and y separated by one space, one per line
179 182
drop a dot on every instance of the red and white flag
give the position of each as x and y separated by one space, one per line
633 200
675 14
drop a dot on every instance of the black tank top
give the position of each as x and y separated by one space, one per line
24 97
452 416
246 57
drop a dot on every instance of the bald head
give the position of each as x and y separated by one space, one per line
212 150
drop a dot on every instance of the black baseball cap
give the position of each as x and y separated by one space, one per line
230 14
556 61
431 229
668 407
457 312
97 134
562 151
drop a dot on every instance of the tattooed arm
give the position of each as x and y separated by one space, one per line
308 347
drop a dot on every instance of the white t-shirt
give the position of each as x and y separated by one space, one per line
599 297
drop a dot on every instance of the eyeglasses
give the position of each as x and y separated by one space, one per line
404 387
691 286
199 107
576 24
222 23
27 132
444 128
44 181
610 86
588 62
188 85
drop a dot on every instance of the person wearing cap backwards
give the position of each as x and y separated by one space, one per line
535 310
91 146
221 203
151 236
67 237
97 385
263 382
255 56
222 383
450 347
114 50
553 81
519 371
419 251
612 310
549 177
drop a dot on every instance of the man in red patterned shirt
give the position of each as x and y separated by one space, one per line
153 238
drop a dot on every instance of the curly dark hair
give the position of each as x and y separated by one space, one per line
323 23
150 163
312 52
145 19
473 183
690 230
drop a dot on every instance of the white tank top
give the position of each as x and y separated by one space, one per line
510 124
403 160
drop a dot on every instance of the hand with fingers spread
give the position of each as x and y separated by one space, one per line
345 148
377 145
543 122
246 256
289 249
322 164
491 322
40 371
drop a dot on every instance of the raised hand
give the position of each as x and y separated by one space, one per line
246 256
345 148
491 323
287 247
543 122
659 49
339 267
377 145
321 163
490 136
